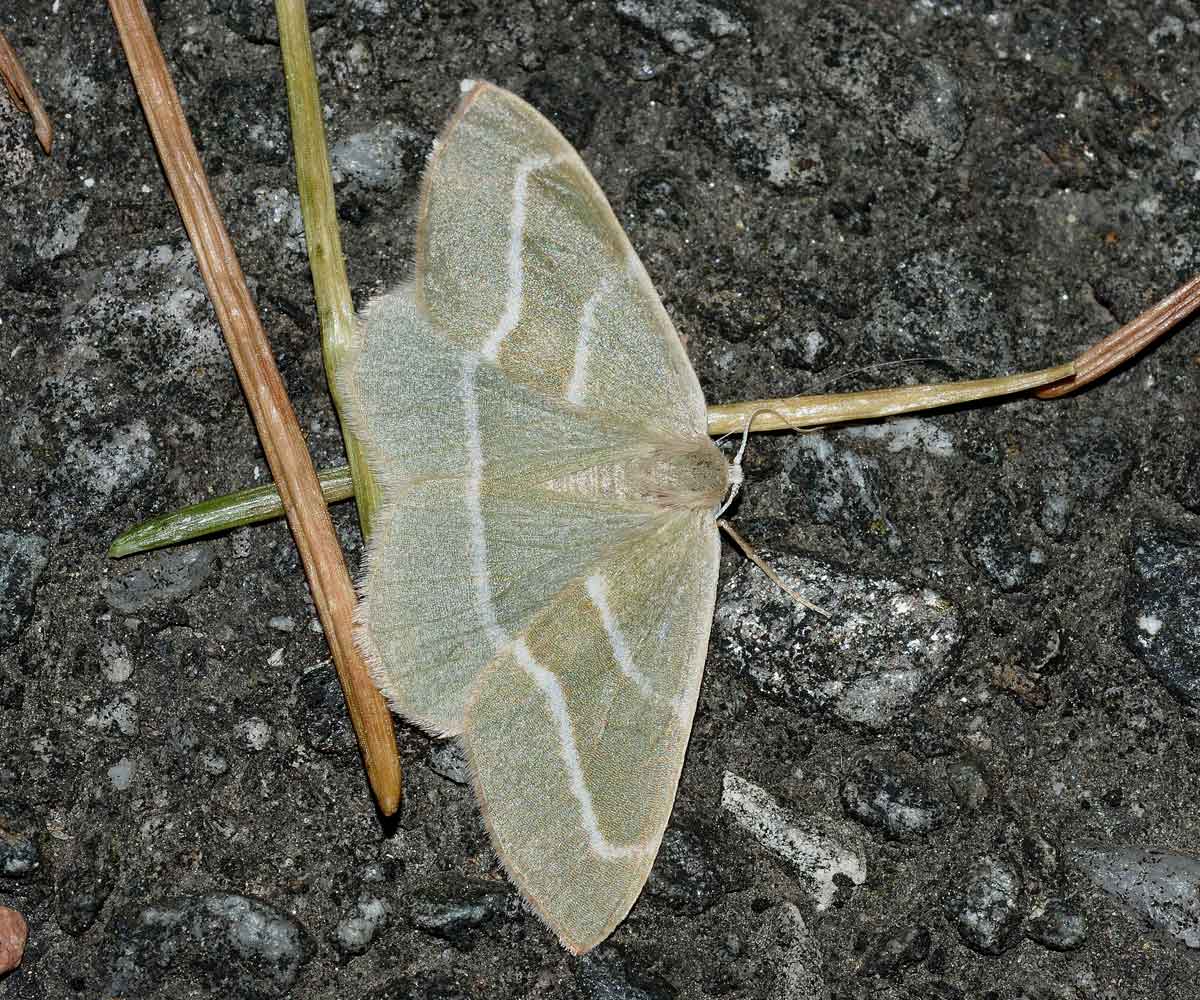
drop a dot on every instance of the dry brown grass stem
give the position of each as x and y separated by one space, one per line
274 418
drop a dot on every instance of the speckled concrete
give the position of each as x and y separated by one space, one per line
814 188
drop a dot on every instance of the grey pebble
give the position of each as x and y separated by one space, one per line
1061 926
452 908
22 559
887 800
1160 886
253 734
20 856
164 576
888 646
896 950
689 28
927 112
827 855
233 943
1040 854
213 762
986 906
59 229
380 156
358 929
1162 627
967 784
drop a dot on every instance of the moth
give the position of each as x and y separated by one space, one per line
542 577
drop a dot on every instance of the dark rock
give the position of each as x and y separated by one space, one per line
84 881
22 560
832 483
323 720
915 101
602 975
685 877
810 350
938 303
886 800
1188 486
660 197
1160 886
903 947
967 783
244 111
996 548
765 135
1041 855
571 108
1162 627
928 743
986 908
735 310
238 945
164 576
1061 926
451 908
789 955
1098 460
446 757
888 646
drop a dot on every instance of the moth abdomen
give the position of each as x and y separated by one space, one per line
678 474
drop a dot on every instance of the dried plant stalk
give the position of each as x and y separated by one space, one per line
24 94
274 418
1131 339
816 411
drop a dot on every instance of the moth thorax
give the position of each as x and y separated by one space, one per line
686 474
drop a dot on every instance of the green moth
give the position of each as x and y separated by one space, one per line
542 578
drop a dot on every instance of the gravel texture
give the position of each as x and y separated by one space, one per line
998 727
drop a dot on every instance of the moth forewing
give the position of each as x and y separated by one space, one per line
520 257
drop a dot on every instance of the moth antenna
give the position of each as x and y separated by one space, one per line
761 563
880 365
735 469
735 484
